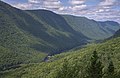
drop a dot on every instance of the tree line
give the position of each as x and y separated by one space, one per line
93 70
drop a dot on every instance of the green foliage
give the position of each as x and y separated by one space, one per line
110 70
29 36
111 67
69 70
95 68
117 34
92 29
73 62
64 71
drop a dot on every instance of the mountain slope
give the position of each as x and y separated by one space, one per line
107 50
14 42
27 38
58 30
52 34
117 34
92 29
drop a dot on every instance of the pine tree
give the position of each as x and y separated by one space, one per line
69 70
110 69
64 71
95 68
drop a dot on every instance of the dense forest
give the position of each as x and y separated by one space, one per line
43 44
100 59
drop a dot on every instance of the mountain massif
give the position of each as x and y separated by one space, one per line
94 30
28 36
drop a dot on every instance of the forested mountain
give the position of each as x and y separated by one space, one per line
92 29
76 64
26 37
29 36
45 32
117 34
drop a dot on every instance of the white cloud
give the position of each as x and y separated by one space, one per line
100 10
103 10
78 7
107 2
52 4
23 6
35 1
64 8
38 4
76 2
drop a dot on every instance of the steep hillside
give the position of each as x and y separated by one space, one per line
81 58
47 31
15 43
29 36
50 34
26 37
92 29
117 34
59 32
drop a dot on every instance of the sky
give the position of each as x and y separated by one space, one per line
100 10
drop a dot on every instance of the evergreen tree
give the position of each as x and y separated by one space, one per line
95 68
64 71
110 69
69 70
76 69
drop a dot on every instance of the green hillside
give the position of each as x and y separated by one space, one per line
117 34
14 42
59 33
39 25
26 37
106 51
92 29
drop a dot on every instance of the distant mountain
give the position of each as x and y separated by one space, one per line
58 32
29 36
92 29
117 34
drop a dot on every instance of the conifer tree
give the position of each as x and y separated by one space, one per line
110 69
95 68
69 70
64 71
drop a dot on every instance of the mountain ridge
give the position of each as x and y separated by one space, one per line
25 38
92 29
29 36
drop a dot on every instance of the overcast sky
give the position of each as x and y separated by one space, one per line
93 9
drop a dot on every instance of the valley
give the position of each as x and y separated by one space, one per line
43 44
